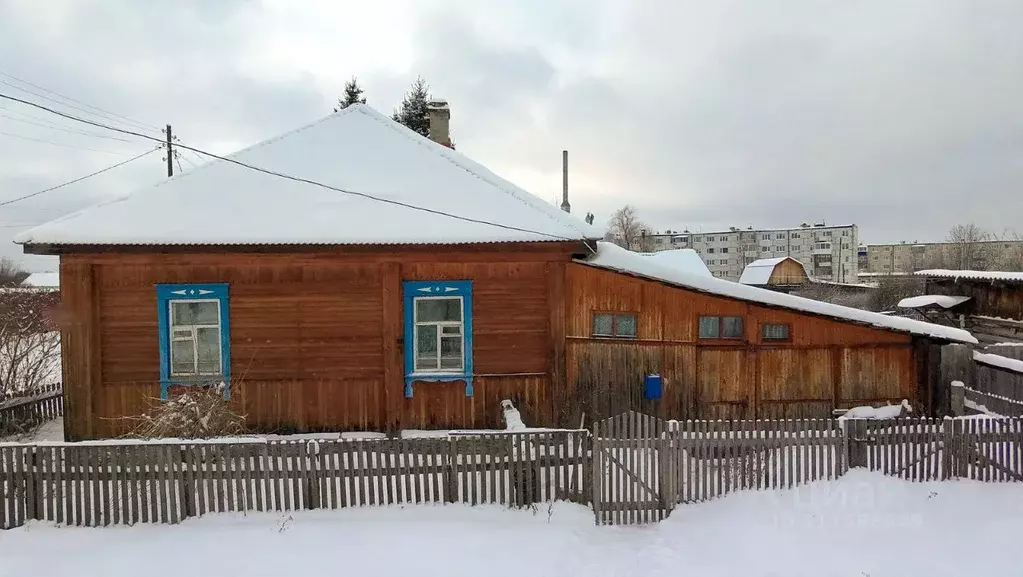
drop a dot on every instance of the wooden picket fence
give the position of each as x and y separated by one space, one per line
643 467
24 411
633 468
103 483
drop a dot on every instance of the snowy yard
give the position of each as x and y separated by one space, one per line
862 524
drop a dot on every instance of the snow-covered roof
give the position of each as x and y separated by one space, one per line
684 259
42 280
999 361
612 257
357 150
972 274
759 272
943 301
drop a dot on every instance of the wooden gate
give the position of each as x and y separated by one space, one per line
629 461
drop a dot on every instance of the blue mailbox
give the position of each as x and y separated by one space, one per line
652 386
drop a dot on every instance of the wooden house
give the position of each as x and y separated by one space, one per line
994 309
353 275
782 274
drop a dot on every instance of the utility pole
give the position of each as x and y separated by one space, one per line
170 151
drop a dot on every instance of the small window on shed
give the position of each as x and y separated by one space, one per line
731 327
721 327
603 325
710 327
775 332
621 325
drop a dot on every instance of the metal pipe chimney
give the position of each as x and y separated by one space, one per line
565 206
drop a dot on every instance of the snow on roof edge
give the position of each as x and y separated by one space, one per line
971 274
611 257
943 301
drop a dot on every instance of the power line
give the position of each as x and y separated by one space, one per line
50 142
79 179
52 126
287 176
98 110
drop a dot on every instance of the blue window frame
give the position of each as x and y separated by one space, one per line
438 332
195 335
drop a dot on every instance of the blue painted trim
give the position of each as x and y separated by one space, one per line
205 291
413 289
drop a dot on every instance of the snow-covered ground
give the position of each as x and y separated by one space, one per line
862 524
51 431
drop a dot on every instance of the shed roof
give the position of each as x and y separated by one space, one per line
759 272
1014 277
923 301
358 150
42 280
611 257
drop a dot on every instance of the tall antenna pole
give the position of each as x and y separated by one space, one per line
565 206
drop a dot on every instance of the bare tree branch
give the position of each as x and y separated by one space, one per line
627 231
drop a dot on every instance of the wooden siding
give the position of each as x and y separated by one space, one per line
826 364
788 272
990 298
316 339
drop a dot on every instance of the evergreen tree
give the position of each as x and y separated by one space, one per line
352 95
412 110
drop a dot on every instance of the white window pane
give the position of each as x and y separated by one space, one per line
776 332
183 333
625 326
194 313
182 357
208 343
438 310
452 330
426 348
451 353
603 325
709 328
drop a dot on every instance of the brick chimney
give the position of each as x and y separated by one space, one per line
439 114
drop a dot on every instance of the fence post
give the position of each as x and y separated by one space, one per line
187 480
958 398
946 446
854 432
448 478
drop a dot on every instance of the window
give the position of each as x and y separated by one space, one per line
845 233
723 239
780 248
697 238
724 249
795 235
621 325
710 262
775 332
194 336
779 235
710 251
721 327
765 248
438 332
765 237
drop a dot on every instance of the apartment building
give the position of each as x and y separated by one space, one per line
907 257
827 252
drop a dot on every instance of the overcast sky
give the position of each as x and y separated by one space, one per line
903 117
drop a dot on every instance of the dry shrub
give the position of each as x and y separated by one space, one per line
199 412
29 344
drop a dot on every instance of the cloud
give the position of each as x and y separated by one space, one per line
900 117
